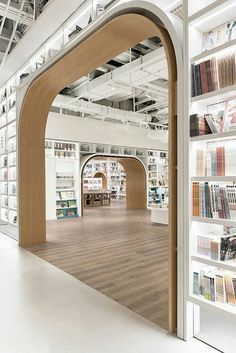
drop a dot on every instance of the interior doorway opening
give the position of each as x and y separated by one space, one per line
148 30
113 181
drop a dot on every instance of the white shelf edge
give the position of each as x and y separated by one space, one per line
214 178
220 135
219 94
213 220
219 264
225 309
213 6
213 51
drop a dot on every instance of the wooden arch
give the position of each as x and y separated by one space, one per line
136 183
103 177
111 39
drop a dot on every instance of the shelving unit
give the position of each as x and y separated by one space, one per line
8 161
114 174
157 178
62 179
97 198
206 169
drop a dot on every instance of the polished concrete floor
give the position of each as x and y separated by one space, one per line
117 252
45 310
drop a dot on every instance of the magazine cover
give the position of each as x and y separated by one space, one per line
218 112
214 38
230 119
231 31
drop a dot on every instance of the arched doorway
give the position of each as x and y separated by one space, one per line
136 188
130 25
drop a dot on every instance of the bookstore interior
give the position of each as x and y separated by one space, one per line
107 167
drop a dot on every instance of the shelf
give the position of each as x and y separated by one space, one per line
66 208
213 15
226 135
214 221
66 199
2 206
208 53
226 265
58 190
214 306
214 178
72 151
216 96
13 209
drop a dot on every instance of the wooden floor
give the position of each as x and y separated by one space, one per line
116 251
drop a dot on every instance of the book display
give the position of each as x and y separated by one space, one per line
8 199
114 174
157 169
212 168
92 183
97 198
66 204
62 179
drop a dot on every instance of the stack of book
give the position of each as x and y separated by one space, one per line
218 247
213 74
217 161
214 201
215 285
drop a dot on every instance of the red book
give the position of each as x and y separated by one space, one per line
220 161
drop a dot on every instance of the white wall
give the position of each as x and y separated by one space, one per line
71 128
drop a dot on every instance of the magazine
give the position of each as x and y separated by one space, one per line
219 35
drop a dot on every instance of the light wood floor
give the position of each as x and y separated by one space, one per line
116 251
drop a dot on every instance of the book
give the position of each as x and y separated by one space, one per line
198 125
219 35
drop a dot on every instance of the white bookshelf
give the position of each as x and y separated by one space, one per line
62 179
157 178
8 159
203 16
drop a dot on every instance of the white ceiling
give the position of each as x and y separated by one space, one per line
132 93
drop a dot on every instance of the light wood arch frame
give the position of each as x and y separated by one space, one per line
120 33
103 177
136 180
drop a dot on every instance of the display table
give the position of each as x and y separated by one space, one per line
159 215
97 198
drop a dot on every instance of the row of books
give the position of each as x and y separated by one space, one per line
215 285
214 201
66 204
213 74
217 161
218 247
219 35
65 184
69 212
64 154
64 146
65 195
220 117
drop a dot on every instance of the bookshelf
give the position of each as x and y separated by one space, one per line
62 180
92 183
114 174
157 178
211 169
8 160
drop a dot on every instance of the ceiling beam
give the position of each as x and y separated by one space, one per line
12 13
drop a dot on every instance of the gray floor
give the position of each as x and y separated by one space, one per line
45 310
